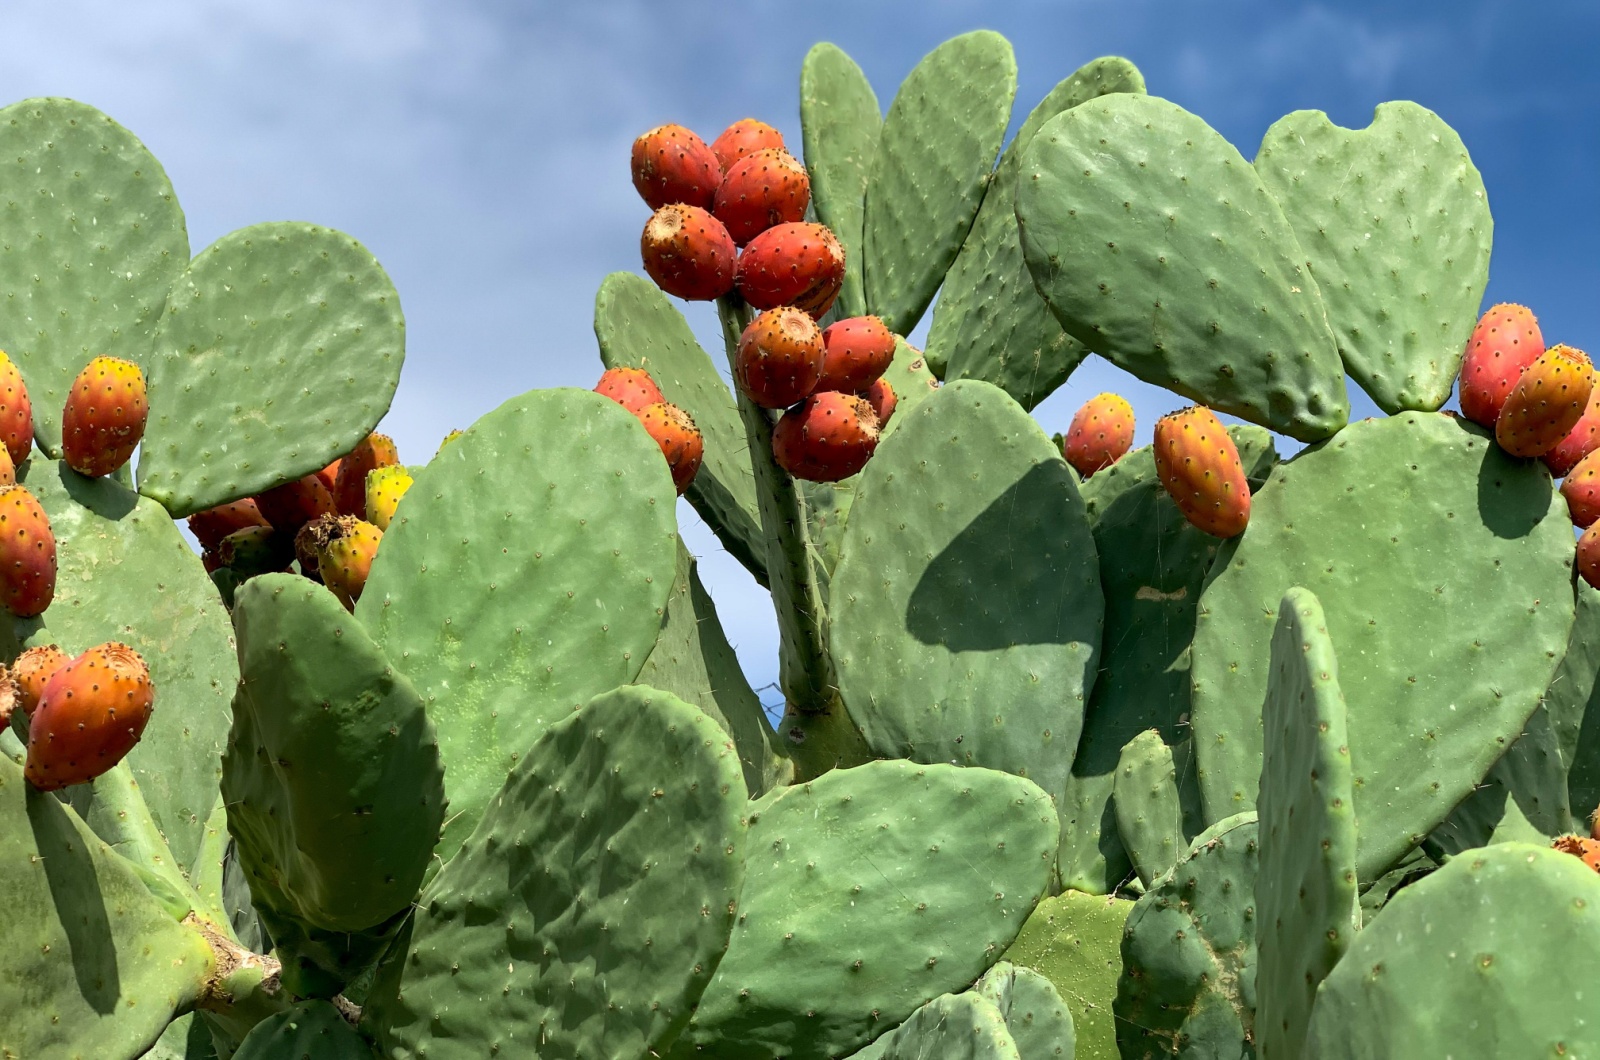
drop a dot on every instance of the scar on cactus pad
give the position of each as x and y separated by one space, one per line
91 713
105 416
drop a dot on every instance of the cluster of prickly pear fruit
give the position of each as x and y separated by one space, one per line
672 428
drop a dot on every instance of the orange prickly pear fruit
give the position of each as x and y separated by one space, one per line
688 253
1581 488
385 487
16 412
1200 469
829 437
680 440
856 351
104 416
1506 341
1589 555
1579 847
345 554
671 164
745 137
779 358
212 525
350 490
1100 435
33 670
762 189
880 395
1583 439
27 554
799 264
632 388
1546 402
91 714
293 504
330 474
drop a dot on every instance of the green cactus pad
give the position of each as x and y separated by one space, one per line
839 125
1395 222
310 1030
127 574
186 1038
966 608
1526 790
1442 659
94 238
990 322
952 1027
1494 954
525 575
332 778
1039 1021
1075 941
94 966
590 907
1189 953
1148 808
935 158
1157 246
1306 902
1573 700
1152 565
638 327
280 349
911 379
693 660
871 891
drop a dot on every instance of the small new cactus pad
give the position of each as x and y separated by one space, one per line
345 557
27 554
1149 810
212 525
1100 434
828 437
680 440
105 415
780 358
1505 341
293 504
385 487
90 714
688 253
800 264
839 124
880 395
16 412
745 137
32 669
858 350
762 189
632 388
1583 439
350 485
968 1025
671 164
1199 467
1546 403
1581 488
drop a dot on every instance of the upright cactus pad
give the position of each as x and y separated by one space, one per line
1572 703
839 126
1150 819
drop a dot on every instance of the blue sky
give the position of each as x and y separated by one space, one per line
480 148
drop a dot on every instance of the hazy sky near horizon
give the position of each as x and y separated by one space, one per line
479 148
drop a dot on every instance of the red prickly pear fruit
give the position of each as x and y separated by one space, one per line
256 550
104 417
27 553
880 395
779 358
295 503
1200 469
1583 439
350 489
680 440
672 164
33 670
345 551
744 137
330 474
91 714
212 525
632 388
761 190
1581 488
688 253
1589 555
857 350
1505 342
799 264
1100 435
1546 402
16 412
830 437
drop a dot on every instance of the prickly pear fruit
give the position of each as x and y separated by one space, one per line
330 474
446 440
33 670
1583 439
91 714
385 487
10 697
104 417
212 525
1589 554
256 550
779 359
27 553
762 189
294 504
1581 488
1199 467
857 350
688 253
672 164
680 440
350 491
830 437
1579 847
632 388
799 264
1546 402
744 137
345 554
1101 433
16 412
8 470
880 395
1505 342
